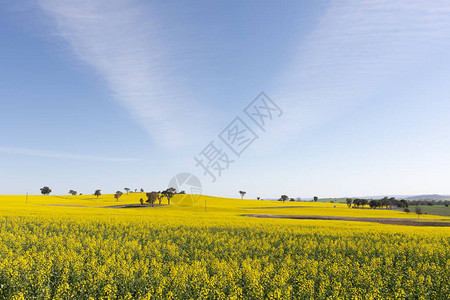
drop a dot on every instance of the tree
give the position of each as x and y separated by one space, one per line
384 202
403 204
364 202
349 202
142 190
72 192
169 193
418 211
117 195
316 198
152 197
127 190
258 198
284 198
292 199
374 204
242 194
97 193
392 201
46 190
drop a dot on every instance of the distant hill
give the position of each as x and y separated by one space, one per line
435 197
429 197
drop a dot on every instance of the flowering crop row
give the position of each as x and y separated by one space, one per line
166 257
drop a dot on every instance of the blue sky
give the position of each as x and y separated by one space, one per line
113 94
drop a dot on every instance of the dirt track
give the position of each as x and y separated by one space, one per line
392 221
64 205
133 206
112 206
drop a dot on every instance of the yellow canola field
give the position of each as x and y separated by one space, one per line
72 247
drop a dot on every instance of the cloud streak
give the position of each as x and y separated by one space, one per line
126 43
357 50
60 155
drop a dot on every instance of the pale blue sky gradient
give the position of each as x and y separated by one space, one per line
114 94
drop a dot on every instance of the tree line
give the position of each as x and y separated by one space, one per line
378 203
152 197
391 202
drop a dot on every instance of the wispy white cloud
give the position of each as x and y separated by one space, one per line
126 43
358 49
60 155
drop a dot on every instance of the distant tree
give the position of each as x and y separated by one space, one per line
316 198
349 202
127 190
374 204
364 202
418 211
403 204
182 192
169 194
160 197
242 194
81 194
135 190
142 201
406 210
258 198
117 195
142 190
46 190
292 199
97 193
151 197
284 198
392 202
298 199
384 202
72 192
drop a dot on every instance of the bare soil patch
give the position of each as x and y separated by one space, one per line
134 206
111 206
273 207
66 205
391 221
